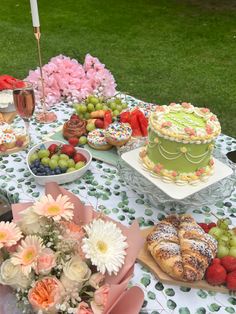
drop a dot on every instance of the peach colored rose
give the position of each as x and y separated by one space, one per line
46 293
100 299
83 308
96 280
186 105
45 262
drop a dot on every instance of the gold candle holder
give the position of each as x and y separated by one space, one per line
44 116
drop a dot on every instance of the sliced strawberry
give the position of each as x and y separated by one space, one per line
135 124
143 123
107 119
68 150
79 157
125 117
211 225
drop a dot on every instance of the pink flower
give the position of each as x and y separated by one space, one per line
213 118
96 279
172 104
186 105
205 110
158 168
10 234
160 108
166 124
45 262
211 162
199 172
46 294
174 173
100 299
209 129
83 308
190 131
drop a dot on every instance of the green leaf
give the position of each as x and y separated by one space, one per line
202 294
148 212
232 300
184 310
151 295
185 289
170 292
115 210
214 307
171 305
159 286
145 281
35 194
201 310
121 217
139 201
230 309
219 204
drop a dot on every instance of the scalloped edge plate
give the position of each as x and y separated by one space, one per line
173 190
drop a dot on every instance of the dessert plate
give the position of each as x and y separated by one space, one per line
146 259
173 190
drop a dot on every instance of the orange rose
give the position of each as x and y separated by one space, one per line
46 293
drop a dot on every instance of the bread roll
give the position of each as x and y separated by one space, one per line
181 248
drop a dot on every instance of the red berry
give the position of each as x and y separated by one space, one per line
211 225
216 274
204 226
231 281
216 261
68 150
79 157
99 123
74 117
74 141
53 148
229 263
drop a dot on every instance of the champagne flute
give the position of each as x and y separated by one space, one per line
24 101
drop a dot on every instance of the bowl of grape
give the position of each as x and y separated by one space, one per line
58 162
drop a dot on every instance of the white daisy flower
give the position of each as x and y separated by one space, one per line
105 246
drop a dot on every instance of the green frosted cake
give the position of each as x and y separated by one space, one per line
180 143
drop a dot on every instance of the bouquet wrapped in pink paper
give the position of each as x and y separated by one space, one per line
67 79
60 256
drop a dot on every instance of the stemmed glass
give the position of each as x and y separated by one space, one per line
24 101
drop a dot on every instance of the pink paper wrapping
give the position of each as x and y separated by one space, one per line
120 300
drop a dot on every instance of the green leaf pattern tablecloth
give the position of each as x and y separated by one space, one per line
105 190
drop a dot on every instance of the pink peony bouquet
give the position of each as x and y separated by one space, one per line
66 79
60 256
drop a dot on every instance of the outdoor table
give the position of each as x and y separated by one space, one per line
102 187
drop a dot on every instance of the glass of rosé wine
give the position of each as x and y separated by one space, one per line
24 101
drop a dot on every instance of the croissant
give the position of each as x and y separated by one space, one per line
181 248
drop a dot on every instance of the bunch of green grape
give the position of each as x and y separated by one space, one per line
225 237
93 103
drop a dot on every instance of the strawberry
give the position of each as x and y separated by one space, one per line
204 226
229 263
53 148
79 157
99 123
68 150
211 225
231 280
216 274
74 117
74 141
125 117
107 119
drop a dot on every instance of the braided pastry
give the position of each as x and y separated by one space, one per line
181 248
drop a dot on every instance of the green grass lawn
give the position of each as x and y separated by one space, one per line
158 51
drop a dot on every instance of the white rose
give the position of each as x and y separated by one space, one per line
31 222
12 275
75 273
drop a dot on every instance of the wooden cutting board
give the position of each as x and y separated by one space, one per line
147 260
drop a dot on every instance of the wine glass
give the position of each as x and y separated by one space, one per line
24 101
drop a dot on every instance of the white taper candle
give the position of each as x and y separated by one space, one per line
35 13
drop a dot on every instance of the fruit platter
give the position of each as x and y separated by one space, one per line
57 162
180 251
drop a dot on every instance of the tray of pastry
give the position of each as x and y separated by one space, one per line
173 251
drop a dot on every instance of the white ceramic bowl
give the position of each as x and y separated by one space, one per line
64 177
